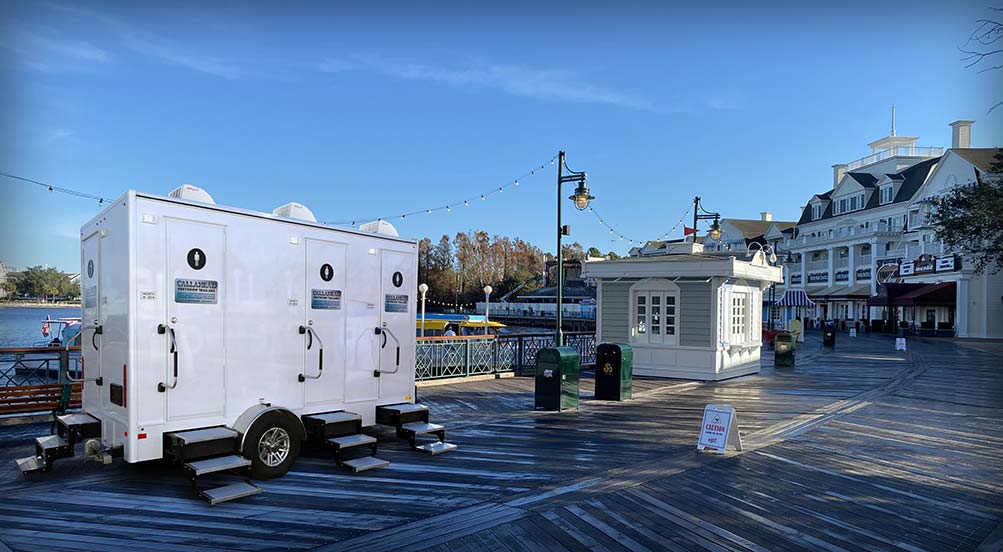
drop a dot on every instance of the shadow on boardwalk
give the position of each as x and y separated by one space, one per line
861 448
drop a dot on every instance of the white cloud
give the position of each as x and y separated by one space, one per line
49 51
550 84
55 136
154 47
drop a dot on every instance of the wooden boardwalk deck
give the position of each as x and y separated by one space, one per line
861 448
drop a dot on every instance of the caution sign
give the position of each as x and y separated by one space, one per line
325 299
395 303
719 429
199 292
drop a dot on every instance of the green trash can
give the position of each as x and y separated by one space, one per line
614 371
557 374
783 349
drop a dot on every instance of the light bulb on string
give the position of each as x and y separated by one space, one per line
516 183
465 203
449 209
482 197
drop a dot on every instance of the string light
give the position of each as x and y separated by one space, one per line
60 189
615 232
448 207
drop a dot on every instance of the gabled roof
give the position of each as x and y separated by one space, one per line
866 180
982 158
753 228
911 179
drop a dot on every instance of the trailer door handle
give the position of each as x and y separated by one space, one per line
161 329
320 353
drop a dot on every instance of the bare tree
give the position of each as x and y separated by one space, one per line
985 44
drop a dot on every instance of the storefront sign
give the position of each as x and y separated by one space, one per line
924 264
905 269
863 274
795 278
719 429
947 264
843 276
816 277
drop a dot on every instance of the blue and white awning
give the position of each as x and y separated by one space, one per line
795 298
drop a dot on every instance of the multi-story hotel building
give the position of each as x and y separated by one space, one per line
870 230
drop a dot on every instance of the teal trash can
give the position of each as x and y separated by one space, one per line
614 371
557 376
783 349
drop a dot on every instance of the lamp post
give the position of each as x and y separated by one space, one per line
699 213
581 199
773 260
487 306
423 288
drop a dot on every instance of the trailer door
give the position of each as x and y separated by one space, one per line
397 318
90 316
325 316
196 268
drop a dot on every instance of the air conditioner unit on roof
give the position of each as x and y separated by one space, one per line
191 193
295 211
380 227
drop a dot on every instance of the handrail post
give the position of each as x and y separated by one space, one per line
64 382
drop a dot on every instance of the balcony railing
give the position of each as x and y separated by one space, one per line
38 379
898 151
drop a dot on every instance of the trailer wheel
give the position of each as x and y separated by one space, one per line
272 444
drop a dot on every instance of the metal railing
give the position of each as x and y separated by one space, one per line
457 357
37 365
898 151
38 379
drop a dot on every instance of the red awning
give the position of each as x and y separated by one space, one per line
888 294
930 295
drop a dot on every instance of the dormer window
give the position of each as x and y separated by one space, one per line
886 193
816 211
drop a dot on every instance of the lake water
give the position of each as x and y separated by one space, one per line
22 326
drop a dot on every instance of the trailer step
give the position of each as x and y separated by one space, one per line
31 464
348 441
52 447
399 414
421 428
229 492
332 424
364 463
438 447
194 436
213 465
200 443
77 427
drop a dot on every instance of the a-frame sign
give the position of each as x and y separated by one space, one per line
719 429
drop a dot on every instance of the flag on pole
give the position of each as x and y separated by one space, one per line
687 231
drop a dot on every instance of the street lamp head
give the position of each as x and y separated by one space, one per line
773 256
423 288
715 228
789 259
488 290
581 196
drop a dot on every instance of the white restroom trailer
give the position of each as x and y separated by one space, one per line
216 319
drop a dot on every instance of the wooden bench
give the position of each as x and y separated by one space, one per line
36 398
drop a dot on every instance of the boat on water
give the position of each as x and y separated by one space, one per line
464 325
58 332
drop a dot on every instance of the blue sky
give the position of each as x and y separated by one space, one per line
361 110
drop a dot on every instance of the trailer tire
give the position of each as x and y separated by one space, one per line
272 444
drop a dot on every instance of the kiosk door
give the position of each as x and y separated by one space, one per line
325 317
194 329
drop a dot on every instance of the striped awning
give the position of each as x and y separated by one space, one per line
795 298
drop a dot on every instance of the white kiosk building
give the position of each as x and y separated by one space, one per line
686 313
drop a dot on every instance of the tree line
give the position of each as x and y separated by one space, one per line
457 269
40 283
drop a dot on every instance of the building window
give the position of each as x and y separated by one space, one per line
816 211
886 194
655 312
738 317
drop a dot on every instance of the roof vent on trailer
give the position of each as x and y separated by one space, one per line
295 211
191 193
380 227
